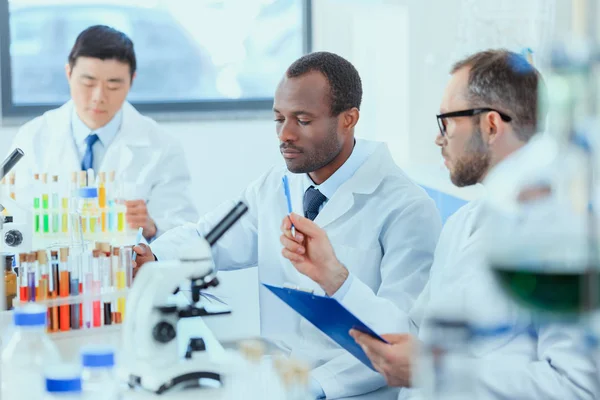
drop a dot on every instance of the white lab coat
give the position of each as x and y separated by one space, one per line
141 153
384 229
508 366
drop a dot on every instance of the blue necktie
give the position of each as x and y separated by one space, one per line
88 157
313 200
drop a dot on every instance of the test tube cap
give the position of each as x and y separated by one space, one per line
98 356
42 257
64 254
63 378
88 192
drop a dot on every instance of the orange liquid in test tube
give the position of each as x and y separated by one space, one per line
63 288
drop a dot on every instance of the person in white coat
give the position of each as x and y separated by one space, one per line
383 226
98 129
488 113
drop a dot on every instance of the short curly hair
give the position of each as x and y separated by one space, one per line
344 80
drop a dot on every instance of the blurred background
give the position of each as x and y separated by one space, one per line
207 70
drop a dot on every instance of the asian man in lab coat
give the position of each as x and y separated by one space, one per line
98 129
488 112
383 226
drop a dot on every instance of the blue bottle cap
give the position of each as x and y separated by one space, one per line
98 356
30 315
88 192
63 379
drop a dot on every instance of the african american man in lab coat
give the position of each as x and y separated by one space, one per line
98 129
383 226
488 112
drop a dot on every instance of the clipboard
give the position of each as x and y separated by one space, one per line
331 317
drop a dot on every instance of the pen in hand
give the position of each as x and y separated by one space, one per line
286 190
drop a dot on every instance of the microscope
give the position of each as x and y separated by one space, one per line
11 236
150 347
15 229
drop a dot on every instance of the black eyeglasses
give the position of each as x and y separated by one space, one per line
466 113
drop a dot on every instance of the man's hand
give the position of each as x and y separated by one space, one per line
393 360
311 253
144 255
137 217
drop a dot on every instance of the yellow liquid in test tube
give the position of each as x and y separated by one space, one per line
121 283
93 222
65 215
102 204
121 221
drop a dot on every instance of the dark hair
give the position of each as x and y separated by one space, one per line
344 81
105 43
507 81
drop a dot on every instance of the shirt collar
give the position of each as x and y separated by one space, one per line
360 153
106 134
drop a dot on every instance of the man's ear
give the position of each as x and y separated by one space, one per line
350 118
493 127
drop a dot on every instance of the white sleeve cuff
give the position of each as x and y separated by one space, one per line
341 292
316 390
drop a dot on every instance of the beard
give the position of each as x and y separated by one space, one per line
322 154
470 169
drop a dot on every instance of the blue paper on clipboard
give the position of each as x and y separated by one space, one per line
329 316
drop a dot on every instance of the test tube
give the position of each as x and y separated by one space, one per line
53 312
119 283
64 212
127 271
84 265
106 286
86 288
128 264
75 284
106 278
45 204
110 196
36 203
96 288
11 186
55 205
121 209
22 269
69 202
102 201
63 288
90 177
44 277
82 179
31 276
